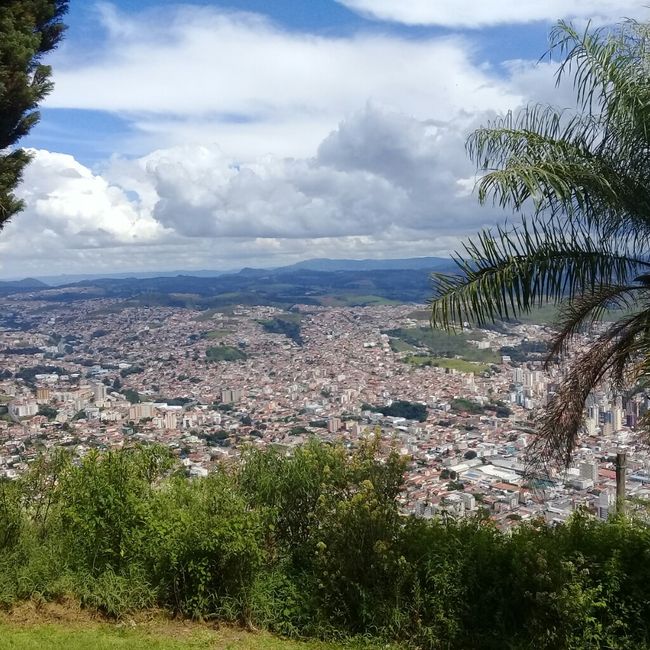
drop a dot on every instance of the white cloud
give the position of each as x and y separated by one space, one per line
482 13
201 74
378 170
265 147
382 184
66 199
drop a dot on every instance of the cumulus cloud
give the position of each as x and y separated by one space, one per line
379 169
472 14
203 74
270 146
66 199
379 182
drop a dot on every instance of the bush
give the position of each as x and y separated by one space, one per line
204 548
315 544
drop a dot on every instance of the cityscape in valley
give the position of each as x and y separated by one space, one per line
324 325
104 373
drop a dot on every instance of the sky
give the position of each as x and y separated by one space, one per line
224 134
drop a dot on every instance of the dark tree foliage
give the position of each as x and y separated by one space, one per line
133 370
314 544
290 328
404 409
29 29
29 374
132 396
49 412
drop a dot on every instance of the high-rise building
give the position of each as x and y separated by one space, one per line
139 411
42 395
23 408
170 420
229 396
99 392
606 504
334 424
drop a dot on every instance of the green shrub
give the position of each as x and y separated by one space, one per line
314 544
11 514
103 505
204 548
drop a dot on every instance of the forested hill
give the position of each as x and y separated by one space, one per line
21 286
284 286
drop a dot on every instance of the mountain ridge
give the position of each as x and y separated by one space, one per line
324 264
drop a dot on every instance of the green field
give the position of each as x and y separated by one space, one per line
442 344
209 314
397 345
544 315
353 300
225 353
214 335
442 362
420 314
170 636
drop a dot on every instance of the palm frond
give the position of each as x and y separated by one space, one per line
610 356
609 68
508 273
583 311
563 164
585 173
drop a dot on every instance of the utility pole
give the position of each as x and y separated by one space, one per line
621 466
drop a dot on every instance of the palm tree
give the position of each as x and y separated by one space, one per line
584 177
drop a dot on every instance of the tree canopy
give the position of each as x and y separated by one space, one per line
29 29
582 178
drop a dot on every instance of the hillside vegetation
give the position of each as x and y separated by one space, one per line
314 545
225 353
441 344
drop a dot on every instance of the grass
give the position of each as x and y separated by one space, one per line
66 627
213 335
420 314
353 300
544 315
209 314
397 345
225 353
110 309
442 344
290 316
113 637
442 362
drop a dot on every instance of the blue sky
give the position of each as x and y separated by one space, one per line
88 134
258 132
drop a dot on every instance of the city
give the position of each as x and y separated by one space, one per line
101 374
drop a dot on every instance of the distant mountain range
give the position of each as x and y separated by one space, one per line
317 264
317 282
61 280
17 286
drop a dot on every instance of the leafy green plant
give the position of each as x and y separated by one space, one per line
584 176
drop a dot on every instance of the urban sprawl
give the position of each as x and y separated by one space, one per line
100 374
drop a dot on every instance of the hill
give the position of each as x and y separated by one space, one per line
280 287
20 286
